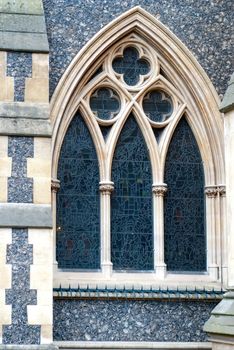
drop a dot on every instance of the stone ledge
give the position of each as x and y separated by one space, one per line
25 127
28 347
24 110
25 215
92 345
12 22
22 6
32 42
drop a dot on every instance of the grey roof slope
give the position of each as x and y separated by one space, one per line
228 100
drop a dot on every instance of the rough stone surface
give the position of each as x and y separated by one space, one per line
204 26
20 188
114 320
19 66
20 256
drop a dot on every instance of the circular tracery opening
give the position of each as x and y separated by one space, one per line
158 106
105 103
131 66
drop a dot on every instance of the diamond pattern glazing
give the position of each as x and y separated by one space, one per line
131 219
185 237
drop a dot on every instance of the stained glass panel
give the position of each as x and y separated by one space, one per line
78 237
157 106
131 220
105 103
131 66
185 238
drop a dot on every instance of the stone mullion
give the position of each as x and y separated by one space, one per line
212 266
158 228
106 189
55 186
223 234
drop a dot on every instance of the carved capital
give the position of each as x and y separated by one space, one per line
55 185
106 187
211 191
222 190
159 190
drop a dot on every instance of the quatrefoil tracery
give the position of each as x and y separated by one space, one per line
130 80
105 103
131 66
158 106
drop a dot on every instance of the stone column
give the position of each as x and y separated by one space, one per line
106 188
211 194
55 186
159 191
220 326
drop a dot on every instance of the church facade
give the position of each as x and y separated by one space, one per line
116 175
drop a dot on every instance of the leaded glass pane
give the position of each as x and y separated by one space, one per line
105 130
131 66
157 106
78 237
105 103
131 220
185 238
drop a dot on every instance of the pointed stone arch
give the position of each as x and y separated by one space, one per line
177 61
196 98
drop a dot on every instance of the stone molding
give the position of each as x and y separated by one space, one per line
92 345
211 191
106 187
25 215
159 190
29 347
55 185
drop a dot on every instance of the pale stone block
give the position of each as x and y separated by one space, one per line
5 236
2 64
37 167
3 252
42 148
39 314
5 273
45 297
46 334
3 189
42 241
7 89
222 346
42 191
40 65
3 145
2 297
5 314
5 166
36 90
41 276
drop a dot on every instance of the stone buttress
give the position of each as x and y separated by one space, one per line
26 245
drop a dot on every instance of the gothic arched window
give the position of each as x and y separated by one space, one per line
135 168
